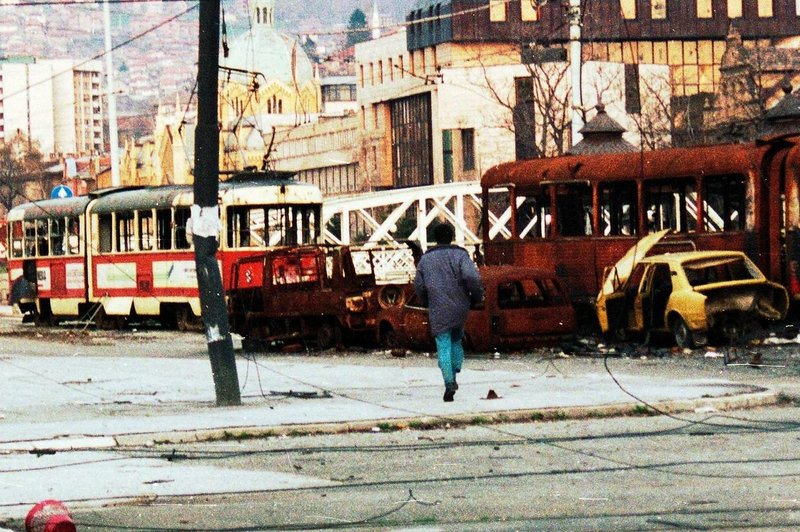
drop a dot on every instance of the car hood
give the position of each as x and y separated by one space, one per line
617 275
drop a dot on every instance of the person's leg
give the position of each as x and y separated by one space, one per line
457 348
444 350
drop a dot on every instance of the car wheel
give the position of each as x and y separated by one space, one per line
683 336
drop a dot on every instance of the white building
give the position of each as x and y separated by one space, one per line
447 113
56 103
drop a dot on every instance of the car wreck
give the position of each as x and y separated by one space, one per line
696 296
523 307
312 294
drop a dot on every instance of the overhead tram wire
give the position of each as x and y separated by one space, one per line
36 3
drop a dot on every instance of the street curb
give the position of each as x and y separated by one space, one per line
760 397
703 405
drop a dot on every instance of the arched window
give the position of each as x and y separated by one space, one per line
258 15
280 106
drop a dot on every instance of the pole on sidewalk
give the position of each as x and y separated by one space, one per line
205 212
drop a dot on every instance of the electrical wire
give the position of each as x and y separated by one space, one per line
100 55
82 3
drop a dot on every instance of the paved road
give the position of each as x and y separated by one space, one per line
658 473
82 410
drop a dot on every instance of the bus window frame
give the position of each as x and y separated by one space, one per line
729 200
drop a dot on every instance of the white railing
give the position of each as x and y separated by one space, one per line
391 222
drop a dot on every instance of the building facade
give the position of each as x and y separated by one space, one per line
448 112
688 36
58 104
266 81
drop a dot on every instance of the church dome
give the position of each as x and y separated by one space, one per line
265 50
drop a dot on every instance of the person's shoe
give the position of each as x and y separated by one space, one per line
449 393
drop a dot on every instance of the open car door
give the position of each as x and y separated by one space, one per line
619 273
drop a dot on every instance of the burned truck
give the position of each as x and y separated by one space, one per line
311 295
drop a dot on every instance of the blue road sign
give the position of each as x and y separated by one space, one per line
61 192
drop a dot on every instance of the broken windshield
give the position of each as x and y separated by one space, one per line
720 269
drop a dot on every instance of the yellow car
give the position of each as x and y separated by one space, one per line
689 294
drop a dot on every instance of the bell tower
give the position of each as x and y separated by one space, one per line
262 13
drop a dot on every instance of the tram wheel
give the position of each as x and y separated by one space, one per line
187 321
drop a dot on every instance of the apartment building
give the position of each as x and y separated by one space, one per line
58 104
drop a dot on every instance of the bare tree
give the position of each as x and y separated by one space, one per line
538 105
651 114
11 173
22 172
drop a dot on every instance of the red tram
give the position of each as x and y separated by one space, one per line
122 252
575 215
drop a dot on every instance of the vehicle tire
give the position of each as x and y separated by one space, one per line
683 336
329 335
184 319
391 295
619 334
389 337
108 323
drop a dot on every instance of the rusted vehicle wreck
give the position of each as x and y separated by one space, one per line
523 307
308 294
697 296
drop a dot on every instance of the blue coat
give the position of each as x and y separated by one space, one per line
448 282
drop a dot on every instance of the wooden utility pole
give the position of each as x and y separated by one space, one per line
205 220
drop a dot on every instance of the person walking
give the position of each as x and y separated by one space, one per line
448 283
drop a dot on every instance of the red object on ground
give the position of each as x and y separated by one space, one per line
49 516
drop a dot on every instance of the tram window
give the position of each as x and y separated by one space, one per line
57 244
126 234
277 230
724 203
16 239
181 217
617 209
309 232
42 238
104 226
671 205
30 238
297 224
146 230
533 216
245 227
164 226
72 243
574 214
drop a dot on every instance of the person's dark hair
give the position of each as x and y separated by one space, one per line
444 234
